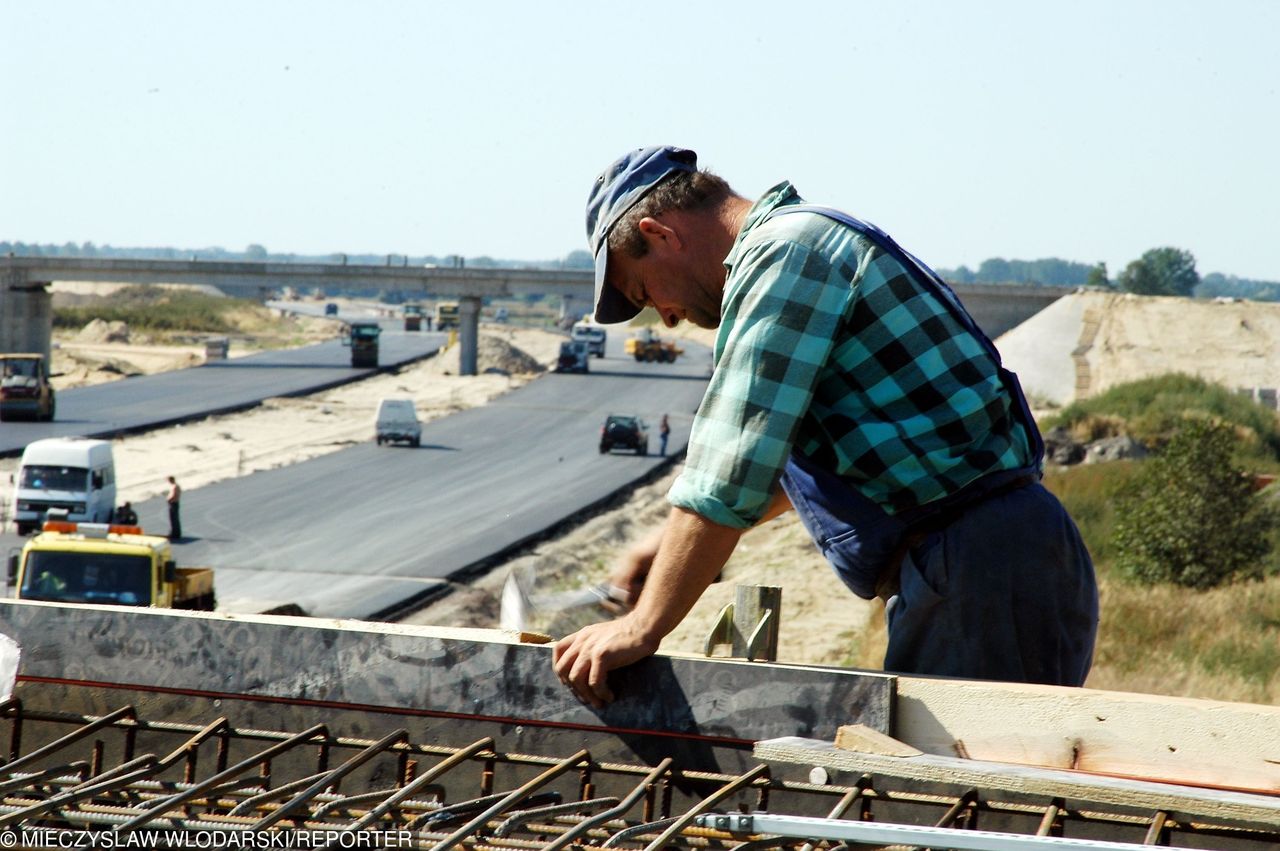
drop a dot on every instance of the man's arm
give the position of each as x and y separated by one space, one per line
692 552
634 566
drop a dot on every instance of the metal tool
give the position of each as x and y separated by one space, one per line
560 613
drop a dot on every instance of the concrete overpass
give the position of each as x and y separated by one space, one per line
26 313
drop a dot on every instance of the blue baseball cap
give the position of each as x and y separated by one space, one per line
619 188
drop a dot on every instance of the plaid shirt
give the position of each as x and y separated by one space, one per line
829 346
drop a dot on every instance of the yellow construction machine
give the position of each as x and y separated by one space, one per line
646 345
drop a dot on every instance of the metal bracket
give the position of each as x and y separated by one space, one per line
749 625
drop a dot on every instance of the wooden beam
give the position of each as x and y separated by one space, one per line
1230 745
860 737
1182 803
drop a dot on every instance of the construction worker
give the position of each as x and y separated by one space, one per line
850 383
174 499
125 515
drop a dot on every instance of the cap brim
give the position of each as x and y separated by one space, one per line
611 306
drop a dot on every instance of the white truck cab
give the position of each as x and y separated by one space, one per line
397 422
591 334
72 477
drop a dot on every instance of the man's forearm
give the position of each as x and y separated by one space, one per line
692 553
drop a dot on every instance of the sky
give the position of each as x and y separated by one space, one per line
1091 131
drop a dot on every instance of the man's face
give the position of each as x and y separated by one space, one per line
670 284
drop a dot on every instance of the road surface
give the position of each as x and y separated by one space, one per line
149 401
360 532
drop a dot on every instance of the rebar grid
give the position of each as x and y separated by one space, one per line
91 776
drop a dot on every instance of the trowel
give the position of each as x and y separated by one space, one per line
560 613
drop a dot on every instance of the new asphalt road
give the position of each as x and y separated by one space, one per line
364 531
143 402
360 532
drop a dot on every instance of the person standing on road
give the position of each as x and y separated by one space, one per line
850 384
664 432
174 498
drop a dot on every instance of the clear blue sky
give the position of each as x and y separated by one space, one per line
1087 130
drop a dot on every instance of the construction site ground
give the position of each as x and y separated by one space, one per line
821 622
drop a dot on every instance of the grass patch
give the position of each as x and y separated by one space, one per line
1088 492
1222 644
157 309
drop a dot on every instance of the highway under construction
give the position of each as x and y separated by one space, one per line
136 721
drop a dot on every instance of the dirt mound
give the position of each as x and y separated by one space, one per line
1087 342
494 355
102 331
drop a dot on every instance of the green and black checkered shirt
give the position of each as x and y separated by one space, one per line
828 345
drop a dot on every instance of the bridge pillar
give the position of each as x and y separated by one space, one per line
569 311
26 314
468 334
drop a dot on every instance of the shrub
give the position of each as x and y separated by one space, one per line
1153 410
1190 517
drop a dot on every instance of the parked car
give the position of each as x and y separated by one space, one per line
573 357
397 422
624 432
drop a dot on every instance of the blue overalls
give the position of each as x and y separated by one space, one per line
992 582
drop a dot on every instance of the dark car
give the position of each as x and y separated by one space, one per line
624 432
573 357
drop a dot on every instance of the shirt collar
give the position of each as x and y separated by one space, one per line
782 193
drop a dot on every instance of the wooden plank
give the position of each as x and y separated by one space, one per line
1183 803
860 737
1182 740
464 673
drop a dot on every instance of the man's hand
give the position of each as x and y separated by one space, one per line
583 660
692 551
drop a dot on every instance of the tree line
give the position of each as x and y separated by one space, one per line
1159 271
258 254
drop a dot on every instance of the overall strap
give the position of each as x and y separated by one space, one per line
945 294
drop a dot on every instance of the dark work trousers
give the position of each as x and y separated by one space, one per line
1006 592
175 522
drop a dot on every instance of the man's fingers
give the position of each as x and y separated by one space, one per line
598 682
580 681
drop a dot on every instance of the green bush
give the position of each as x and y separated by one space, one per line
1153 410
1190 517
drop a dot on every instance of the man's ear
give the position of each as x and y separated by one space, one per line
659 235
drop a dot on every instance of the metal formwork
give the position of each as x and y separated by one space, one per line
122 773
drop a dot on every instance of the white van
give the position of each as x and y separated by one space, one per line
591 334
397 421
72 474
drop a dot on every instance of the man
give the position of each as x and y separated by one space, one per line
125 515
174 498
849 382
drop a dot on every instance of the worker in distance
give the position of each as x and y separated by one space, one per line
849 383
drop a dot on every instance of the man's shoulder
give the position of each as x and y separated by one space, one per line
806 232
